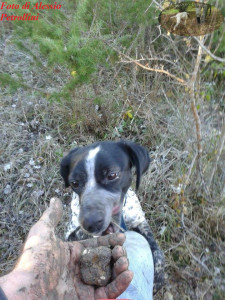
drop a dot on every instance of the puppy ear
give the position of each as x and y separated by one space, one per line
65 166
139 158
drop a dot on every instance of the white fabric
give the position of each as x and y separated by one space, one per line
142 265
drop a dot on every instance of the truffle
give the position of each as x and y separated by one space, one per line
95 266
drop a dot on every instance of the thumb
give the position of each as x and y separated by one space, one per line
53 214
49 220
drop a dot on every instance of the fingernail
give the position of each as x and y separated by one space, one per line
52 201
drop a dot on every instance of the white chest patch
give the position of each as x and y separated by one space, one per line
90 167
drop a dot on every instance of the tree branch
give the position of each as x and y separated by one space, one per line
191 85
146 67
220 148
209 52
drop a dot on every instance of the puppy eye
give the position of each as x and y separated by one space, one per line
112 176
74 184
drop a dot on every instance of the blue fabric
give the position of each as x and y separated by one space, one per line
123 225
141 263
2 295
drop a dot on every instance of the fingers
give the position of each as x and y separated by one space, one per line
49 219
122 276
116 287
120 266
118 251
106 240
121 261
76 249
53 214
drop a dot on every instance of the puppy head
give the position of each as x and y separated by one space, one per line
101 175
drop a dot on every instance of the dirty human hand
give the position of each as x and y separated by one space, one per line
49 268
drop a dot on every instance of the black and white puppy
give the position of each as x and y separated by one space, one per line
101 174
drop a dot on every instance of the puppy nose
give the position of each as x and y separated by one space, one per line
93 223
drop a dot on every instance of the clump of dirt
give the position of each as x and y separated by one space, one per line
95 266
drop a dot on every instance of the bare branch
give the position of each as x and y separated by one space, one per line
189 172
209 52
146 67
220 148
193 104
197 124
200 263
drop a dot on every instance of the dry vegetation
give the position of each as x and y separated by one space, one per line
183 193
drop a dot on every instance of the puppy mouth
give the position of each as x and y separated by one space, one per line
113 227
109 230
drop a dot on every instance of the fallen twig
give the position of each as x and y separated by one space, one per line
146 67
